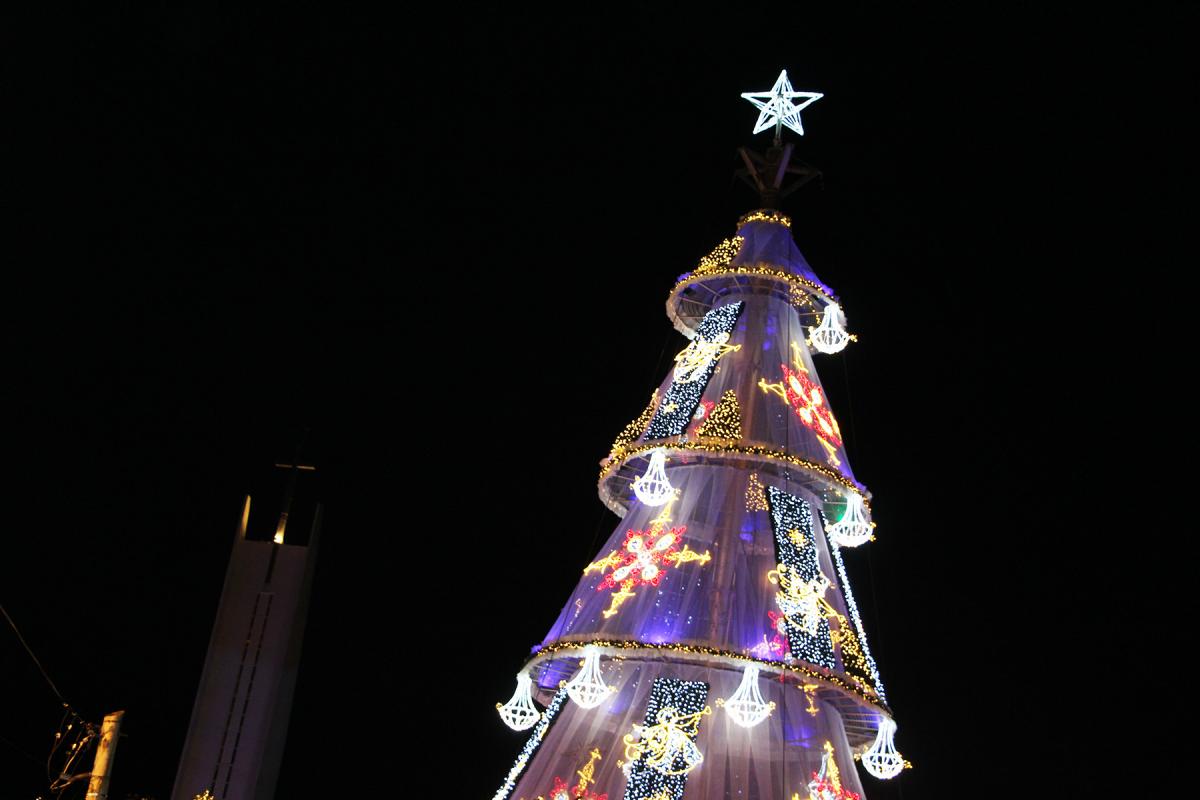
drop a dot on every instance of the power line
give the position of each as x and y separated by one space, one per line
29 650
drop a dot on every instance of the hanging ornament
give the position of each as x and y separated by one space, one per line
881 758
830 337
653 488
520 713
827 782
587 688
746 707
808 403
854 527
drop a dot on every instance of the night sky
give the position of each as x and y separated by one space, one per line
442 247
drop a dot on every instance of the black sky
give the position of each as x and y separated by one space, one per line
443 246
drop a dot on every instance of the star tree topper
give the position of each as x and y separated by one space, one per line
776 107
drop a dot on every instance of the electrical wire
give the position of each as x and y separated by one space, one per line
72 727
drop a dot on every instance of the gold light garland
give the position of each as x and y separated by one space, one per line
795 282
635 428
736 449
756 495
725 421
852 686
721 255
765 215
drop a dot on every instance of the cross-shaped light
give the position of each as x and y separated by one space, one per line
776 107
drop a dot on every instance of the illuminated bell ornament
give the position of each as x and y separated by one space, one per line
881 758
829 337
520 713
653 488
587 688
746 707
853 528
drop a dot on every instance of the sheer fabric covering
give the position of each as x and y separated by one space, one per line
766 329
723 604
774 759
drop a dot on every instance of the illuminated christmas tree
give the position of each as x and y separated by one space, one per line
713 647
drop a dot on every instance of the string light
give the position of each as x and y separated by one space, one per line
757 451
681 398
765 215
881 758
635 428
808 402
725 420
852 607
531 745
662 751
519 713
587 688
653 488
756 498
758 270
691 652
830 337
853 528
796 551
721 255
746 706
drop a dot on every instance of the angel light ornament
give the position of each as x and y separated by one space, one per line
587 688
520 713
830 337
881 758
653 488
800 600
668 741
854 527
692 362
746 706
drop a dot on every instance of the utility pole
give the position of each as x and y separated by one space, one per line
106 753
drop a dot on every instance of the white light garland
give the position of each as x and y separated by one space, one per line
519 713
854 528
881 758
829 337
746 706
653 488
531 745
587 688
848 594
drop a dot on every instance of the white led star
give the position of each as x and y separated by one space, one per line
776 107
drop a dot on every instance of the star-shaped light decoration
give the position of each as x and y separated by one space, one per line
776 107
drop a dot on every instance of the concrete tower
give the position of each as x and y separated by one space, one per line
239 723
